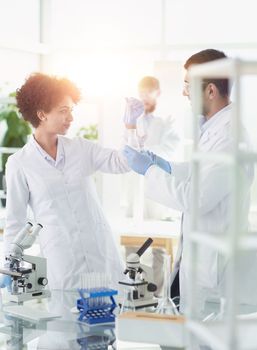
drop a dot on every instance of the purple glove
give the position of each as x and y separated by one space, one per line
134 108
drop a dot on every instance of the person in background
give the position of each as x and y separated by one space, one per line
145 130
170 183
153 133
52 174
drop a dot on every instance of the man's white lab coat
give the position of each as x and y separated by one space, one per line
214 204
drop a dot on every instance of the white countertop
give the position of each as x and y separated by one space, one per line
146 228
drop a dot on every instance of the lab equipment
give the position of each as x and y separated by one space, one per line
96 304
21 331
168 331
29 313
219 315
132 139
93 342
134 108
139 288
166 305
28 273
139 162
159 161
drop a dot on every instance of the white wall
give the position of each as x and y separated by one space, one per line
107 46
19 34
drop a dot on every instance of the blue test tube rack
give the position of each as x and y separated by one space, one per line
95 313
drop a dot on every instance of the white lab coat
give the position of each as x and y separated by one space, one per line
161 137
214 207
76 238
158 135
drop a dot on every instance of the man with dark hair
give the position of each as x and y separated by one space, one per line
221 86
170 183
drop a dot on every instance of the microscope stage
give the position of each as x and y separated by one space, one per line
11 273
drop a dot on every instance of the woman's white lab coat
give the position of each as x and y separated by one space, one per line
76 237
215 188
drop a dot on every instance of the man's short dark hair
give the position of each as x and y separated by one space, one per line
208 56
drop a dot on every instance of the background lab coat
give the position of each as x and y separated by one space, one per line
158 135
76 237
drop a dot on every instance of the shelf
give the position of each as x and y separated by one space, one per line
247 156
207 335
215 334
223 68
210 241
235 331
228 158
245 243
2 194
7 100
248 243
9 150
37 48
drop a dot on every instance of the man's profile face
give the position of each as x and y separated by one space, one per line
186 93
149 98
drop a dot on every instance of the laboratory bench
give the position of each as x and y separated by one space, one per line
67 333
64 332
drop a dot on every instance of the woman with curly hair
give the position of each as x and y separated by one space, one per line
52 175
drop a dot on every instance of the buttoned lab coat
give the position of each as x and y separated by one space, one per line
214 205
76 237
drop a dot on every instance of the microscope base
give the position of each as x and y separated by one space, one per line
21 297
139 304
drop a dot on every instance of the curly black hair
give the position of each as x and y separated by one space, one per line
43 92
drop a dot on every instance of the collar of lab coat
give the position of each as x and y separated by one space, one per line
45 155
218 120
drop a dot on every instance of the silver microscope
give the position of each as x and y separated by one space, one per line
140 286
28 273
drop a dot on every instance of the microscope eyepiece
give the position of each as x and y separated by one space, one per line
146 245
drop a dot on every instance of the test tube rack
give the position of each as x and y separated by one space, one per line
93 305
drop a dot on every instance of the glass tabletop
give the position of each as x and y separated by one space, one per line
64 332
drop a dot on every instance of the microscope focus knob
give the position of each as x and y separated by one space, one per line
151 287
42 281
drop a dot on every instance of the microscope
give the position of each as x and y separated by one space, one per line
28 273
140 286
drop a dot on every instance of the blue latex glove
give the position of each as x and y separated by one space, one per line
5 281
159 161
137 161
134 108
